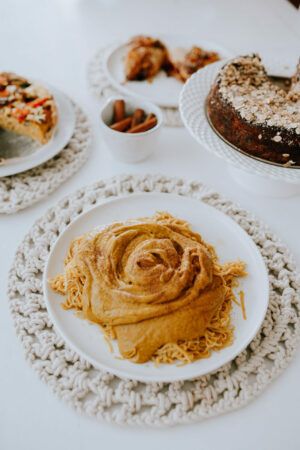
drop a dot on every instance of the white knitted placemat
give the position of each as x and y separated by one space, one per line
103 395
25 188
101 86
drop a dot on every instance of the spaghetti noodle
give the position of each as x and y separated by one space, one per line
157 279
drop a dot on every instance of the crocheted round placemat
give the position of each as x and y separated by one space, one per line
101 86
103 395
25 188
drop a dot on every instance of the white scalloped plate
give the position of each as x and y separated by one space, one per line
230 241
35 154
193 113
163 90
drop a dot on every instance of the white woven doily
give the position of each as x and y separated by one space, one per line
23 189
103 395
103 89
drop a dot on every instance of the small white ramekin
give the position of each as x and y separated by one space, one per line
130 147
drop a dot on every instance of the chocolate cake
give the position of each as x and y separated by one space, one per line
254 114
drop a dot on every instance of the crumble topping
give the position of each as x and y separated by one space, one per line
289 163
244 83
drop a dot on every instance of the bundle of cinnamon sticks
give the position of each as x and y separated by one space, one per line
138 122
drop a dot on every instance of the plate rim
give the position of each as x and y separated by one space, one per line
59 97
121 43
211 141
124 372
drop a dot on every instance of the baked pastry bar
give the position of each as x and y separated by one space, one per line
26 108
193 60
145 58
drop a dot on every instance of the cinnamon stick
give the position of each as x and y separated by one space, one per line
119 110
150 116
137 117
144 126
122 125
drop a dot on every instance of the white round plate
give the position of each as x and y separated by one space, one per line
40 153
231 242
192 106
163 90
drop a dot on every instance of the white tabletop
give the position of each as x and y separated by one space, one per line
53 41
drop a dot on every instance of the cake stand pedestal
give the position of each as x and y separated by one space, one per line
262 185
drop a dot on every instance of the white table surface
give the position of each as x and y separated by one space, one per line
54 40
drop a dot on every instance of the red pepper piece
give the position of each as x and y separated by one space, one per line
4 93
21 114
37 102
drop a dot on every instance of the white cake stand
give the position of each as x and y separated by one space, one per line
256 176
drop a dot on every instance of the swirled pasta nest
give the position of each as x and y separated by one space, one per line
155 286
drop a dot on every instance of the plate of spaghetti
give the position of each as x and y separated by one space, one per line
156 287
